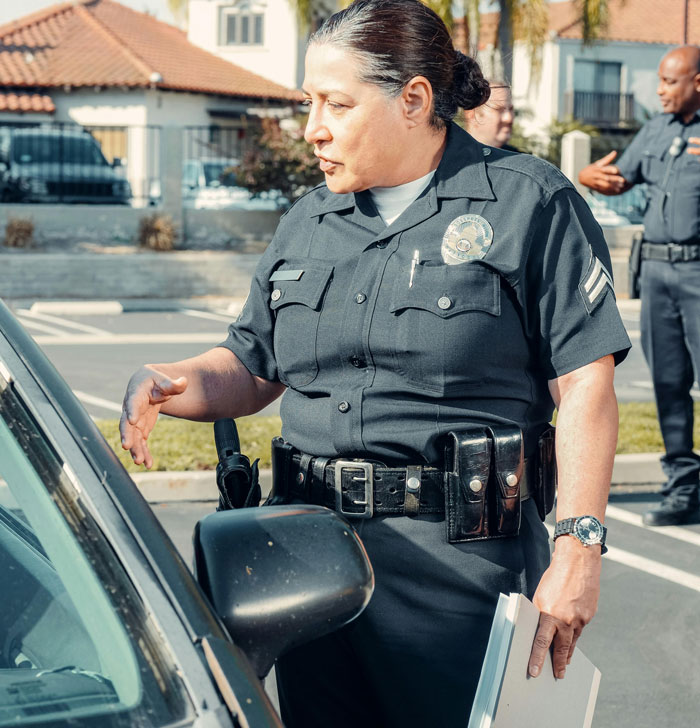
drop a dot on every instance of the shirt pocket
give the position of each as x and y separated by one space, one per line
297 304
653 165
443 324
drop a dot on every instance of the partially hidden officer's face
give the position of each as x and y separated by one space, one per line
679 83
357 131
493 121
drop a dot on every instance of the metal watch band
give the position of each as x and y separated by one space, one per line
567 527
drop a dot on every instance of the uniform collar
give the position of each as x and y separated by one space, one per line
677 117
461 173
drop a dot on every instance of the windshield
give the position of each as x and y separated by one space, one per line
220 173
76 645
46 149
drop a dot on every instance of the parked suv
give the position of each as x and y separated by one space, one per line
39 164
210 184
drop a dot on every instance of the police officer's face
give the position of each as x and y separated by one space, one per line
357 131
679 83
492 123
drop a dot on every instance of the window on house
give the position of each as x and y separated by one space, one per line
599 76
241 23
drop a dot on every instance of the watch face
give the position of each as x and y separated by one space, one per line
589 530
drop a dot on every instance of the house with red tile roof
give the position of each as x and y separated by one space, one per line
611 83
101 64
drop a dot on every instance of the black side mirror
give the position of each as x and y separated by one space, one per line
280 576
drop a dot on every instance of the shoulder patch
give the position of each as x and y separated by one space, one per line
595 283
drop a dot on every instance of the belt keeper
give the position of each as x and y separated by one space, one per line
317 491
411 506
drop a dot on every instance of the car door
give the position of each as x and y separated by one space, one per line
101 623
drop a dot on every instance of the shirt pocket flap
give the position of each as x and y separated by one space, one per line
307 290
447 290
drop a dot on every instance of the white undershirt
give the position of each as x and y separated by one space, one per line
392 201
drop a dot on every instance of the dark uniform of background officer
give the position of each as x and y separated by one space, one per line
660 155
431 284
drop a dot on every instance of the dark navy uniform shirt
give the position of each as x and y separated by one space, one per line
673 193
377 364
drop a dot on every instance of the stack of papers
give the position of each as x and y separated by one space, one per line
507 697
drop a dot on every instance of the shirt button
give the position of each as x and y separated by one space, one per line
360 298
344 407
275 295
381 245
486 151
356 361
444 303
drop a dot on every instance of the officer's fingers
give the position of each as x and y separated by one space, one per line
694 150
604 161
546 630
572 646
560 649
165 388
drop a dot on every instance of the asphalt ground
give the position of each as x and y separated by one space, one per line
643 638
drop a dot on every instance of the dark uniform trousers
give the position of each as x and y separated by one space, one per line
670 322
413 658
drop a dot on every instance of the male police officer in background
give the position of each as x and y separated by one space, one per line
661 155
492 122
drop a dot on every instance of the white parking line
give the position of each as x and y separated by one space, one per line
29 324
97 401
654 568
80 340
64 322
648 385
634 519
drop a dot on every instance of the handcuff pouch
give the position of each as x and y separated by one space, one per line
545 483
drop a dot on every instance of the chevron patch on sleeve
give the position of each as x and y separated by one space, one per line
595 283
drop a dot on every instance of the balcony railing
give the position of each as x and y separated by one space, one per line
600 109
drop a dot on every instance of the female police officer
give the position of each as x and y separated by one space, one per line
430 285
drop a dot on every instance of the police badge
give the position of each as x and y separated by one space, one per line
468 237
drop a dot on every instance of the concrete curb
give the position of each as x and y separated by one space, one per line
639 471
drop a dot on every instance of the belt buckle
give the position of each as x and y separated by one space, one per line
675 253
368 477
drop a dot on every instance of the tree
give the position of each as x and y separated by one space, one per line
278 158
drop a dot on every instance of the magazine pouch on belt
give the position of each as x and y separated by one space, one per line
508 469
483 469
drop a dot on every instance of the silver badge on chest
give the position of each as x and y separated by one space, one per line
468 237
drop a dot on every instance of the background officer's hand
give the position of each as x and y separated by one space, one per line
567 597
604 177
693 146
147 390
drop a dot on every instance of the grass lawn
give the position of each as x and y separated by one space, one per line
180 445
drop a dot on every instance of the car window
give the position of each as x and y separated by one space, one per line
219 173
76 644
46 149
190 174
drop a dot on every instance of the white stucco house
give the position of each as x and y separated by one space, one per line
124 74
610 84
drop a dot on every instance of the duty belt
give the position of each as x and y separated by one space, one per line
671 252
363 489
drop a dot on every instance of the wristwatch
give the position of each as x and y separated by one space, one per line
587 529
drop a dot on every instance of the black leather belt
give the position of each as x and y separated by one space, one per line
362 489
671 252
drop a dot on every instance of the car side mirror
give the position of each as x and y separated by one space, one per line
280 576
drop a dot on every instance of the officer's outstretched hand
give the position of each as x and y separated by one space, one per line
567 597
147 390
604 177
693 146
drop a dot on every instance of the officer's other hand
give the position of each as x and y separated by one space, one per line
147 390
603 176
567 597
693 146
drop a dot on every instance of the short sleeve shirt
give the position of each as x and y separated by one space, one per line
673 180
385 347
